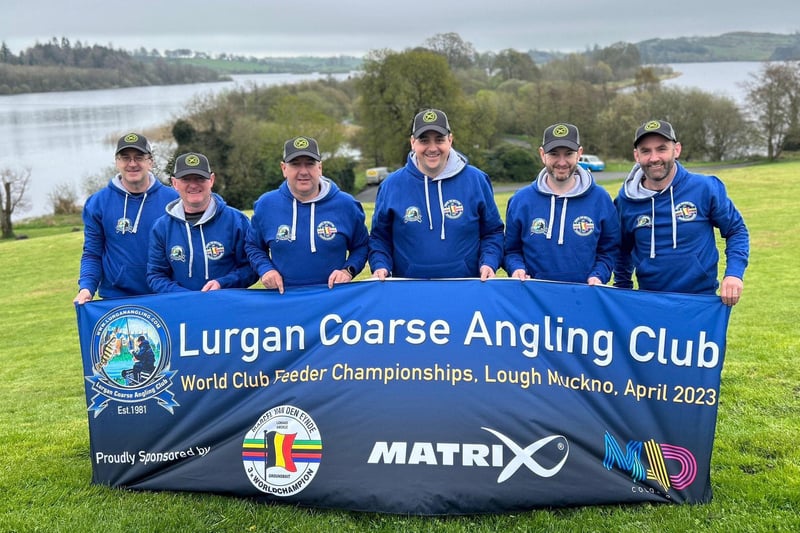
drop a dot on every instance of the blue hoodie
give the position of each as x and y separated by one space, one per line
668 236
443 227
184 257
116 237
569 237
307 240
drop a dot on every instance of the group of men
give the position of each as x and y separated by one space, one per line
436 217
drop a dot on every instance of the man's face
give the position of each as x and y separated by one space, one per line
561 162
432 150
302 176
134 167
656 155
195 191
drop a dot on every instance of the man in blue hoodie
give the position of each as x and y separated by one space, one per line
667 217
562 227
307 231
436 217
117 221
198 245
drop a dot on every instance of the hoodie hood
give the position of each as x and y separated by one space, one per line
456 162
583 183
116 185
176 211
633 190
327 190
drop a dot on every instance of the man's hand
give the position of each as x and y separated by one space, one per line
272 279
731 290
83 296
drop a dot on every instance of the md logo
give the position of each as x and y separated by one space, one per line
671 466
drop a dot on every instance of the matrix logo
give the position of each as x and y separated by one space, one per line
552 450
671 466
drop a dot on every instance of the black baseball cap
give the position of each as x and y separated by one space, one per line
660 127
134 140
298 146
430 119
561 134
190 164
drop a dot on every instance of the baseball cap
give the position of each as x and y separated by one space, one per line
192 164
298 146
660 127
134 140
561 134
430 119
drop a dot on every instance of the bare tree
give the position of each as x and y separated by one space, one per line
12 197
773 96
459 53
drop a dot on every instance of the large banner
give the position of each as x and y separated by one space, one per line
413 397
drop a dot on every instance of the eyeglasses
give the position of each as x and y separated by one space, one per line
129 158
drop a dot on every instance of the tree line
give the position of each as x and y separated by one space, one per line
498 105
59 65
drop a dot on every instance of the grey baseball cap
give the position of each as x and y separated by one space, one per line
134 140
298 146
561 134
660 127
430 119
192 164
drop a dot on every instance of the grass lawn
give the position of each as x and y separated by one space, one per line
45 468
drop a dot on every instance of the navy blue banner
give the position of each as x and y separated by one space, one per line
413 397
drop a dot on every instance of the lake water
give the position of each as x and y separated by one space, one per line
722 79
66 136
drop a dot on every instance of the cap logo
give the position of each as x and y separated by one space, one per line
652 125
131 138
301 143
560 131
192 161
429 116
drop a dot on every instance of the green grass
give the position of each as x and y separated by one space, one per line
45 469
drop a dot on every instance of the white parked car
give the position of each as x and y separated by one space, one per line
376 175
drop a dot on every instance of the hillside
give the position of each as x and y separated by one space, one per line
737 46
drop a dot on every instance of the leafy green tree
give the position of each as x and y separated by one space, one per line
510 163
510 64
394 87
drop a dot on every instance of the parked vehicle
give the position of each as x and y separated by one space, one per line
591 162
376 175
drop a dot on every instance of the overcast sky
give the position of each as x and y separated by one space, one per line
353 27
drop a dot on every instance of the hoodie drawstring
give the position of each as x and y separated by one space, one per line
294 219
553 216
311 233
652 227
674 220
653 223
563 220
139 214
441 208
205 255
428 205
191 248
